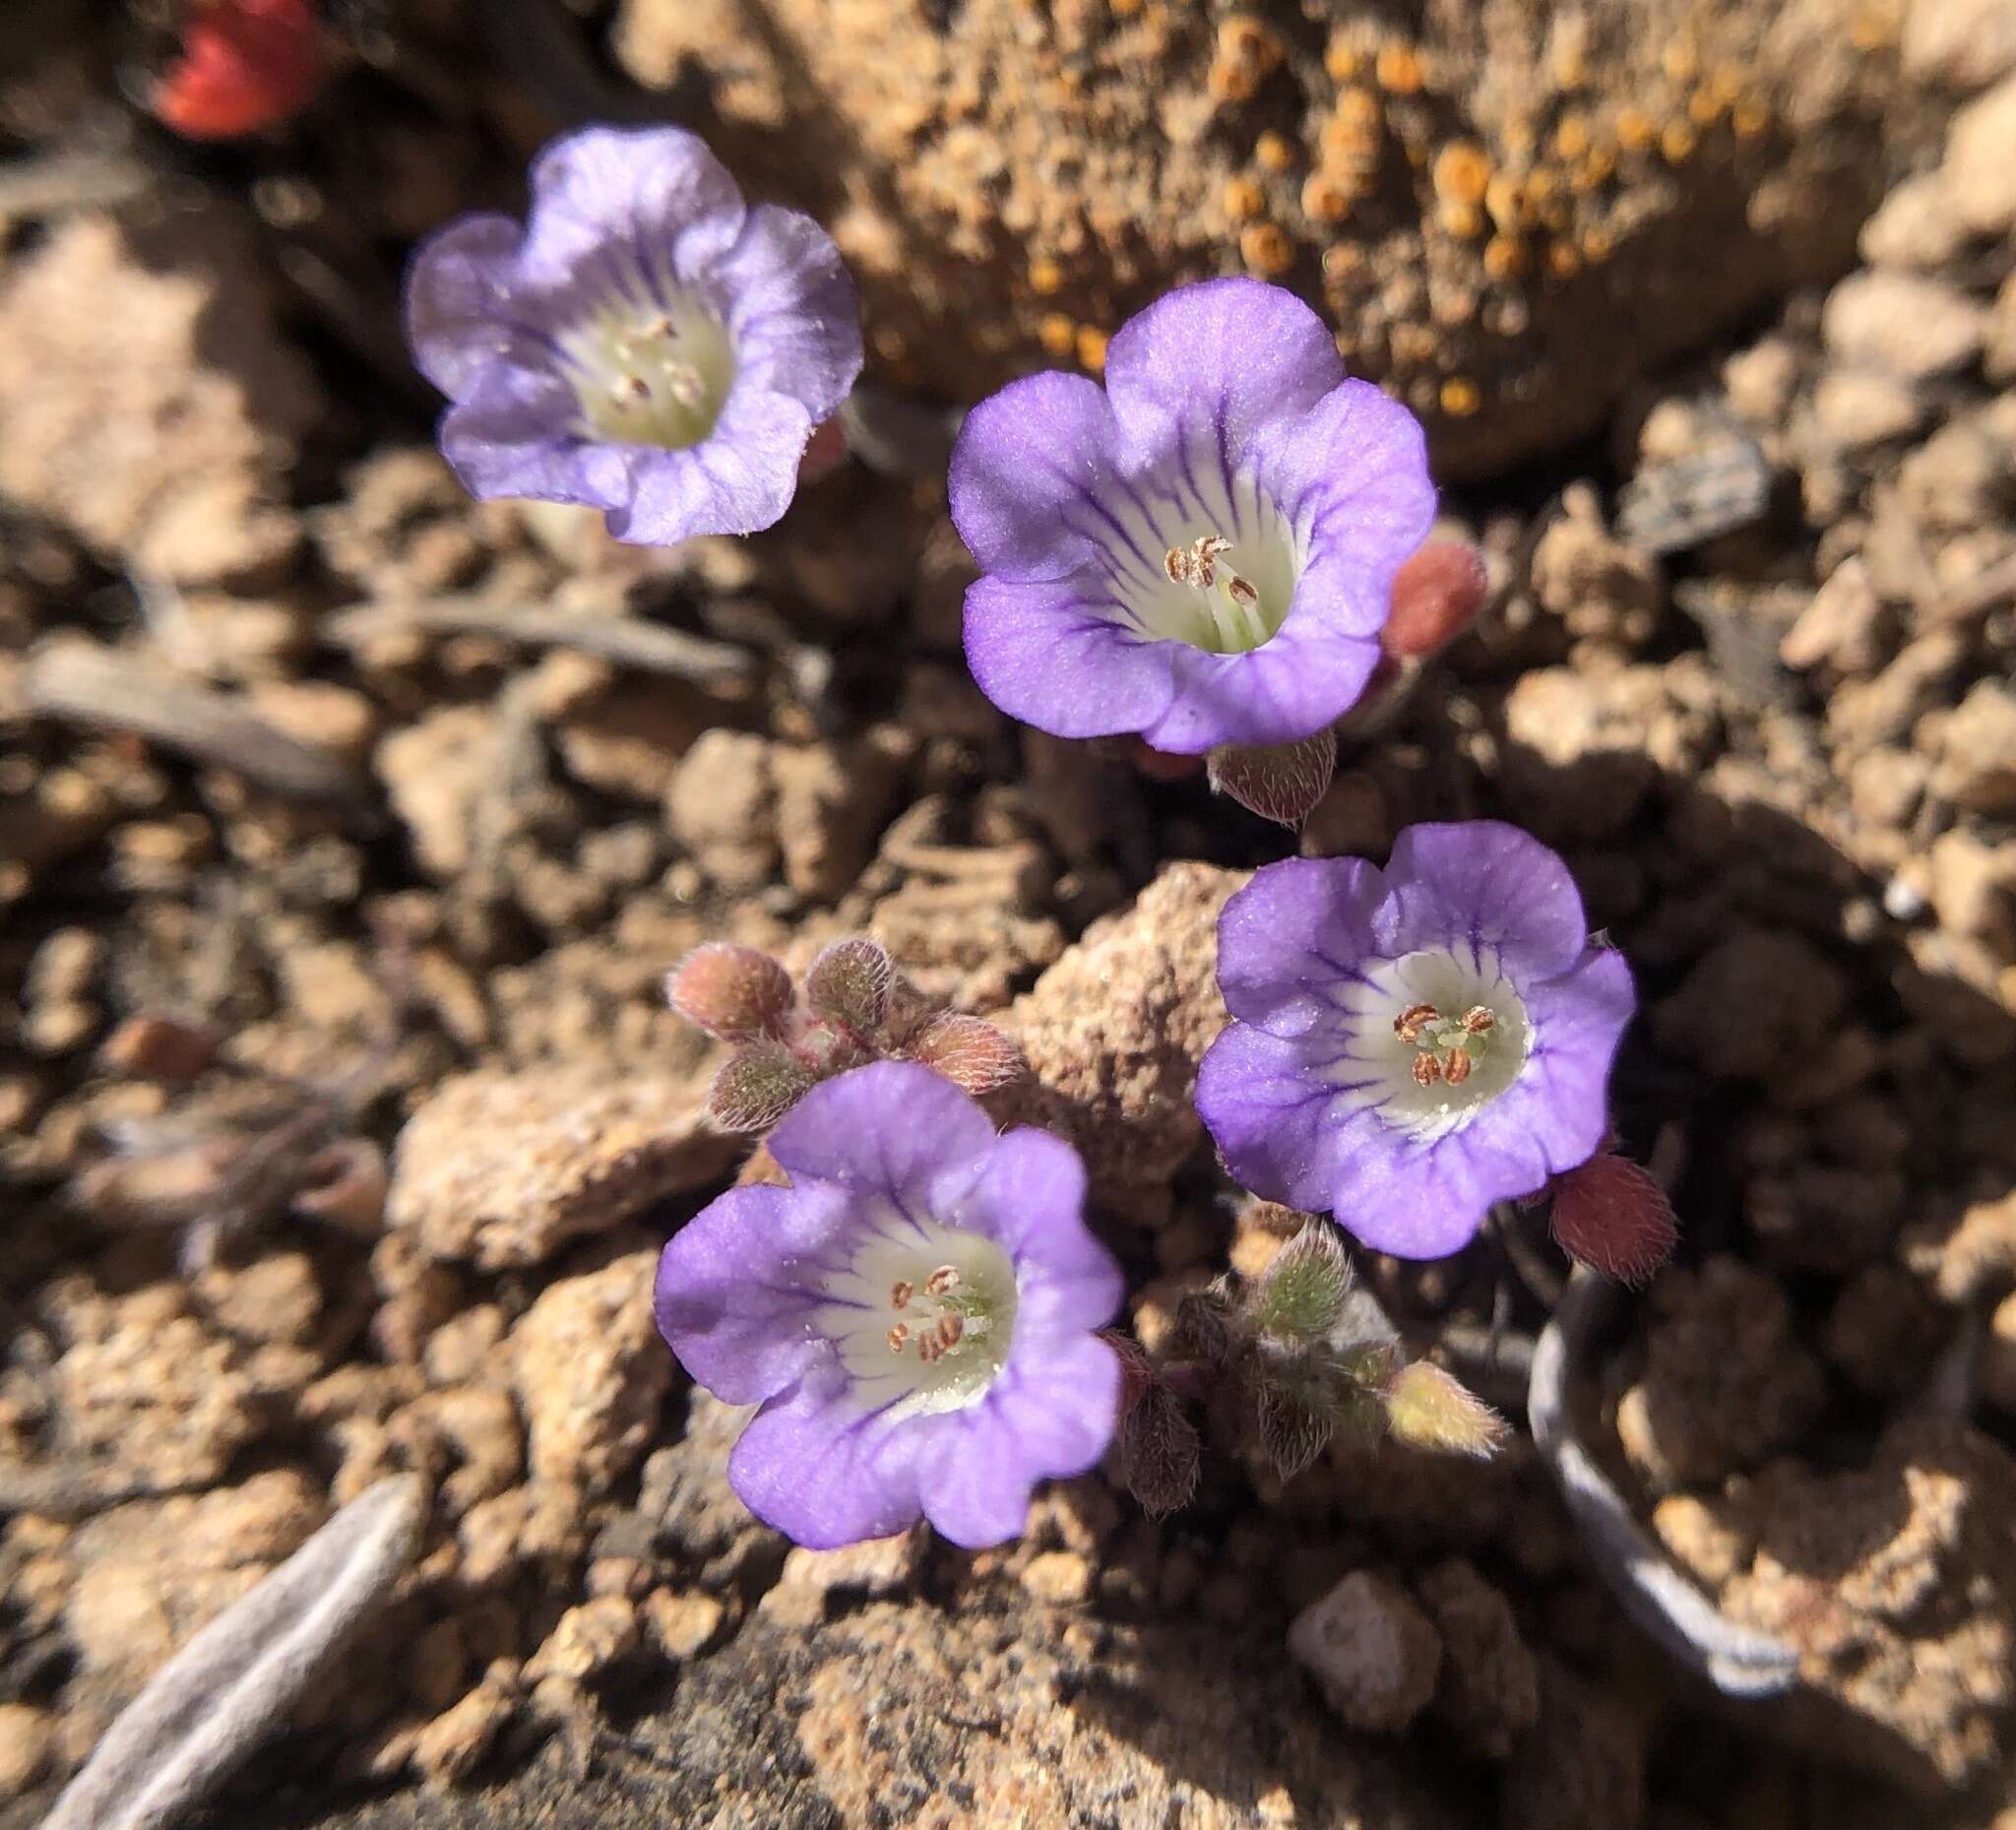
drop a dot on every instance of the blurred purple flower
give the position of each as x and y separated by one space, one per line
1413 1045
646 345
914 1314
1202 553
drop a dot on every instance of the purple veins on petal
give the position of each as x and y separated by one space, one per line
645 344
1413 1045
1203 551
917 1315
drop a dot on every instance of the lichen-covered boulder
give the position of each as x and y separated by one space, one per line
1505 210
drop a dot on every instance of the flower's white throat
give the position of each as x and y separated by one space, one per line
1436 1036
923 1316
651 376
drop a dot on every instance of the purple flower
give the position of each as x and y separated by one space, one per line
1413 1045
1202 553
914 1314
646 344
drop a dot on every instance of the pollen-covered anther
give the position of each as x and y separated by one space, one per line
896 1337
1456 1066
942 1340
1196 565
1241 592
942 1282
900 1294
1426 1071
1408 1026
1480 1020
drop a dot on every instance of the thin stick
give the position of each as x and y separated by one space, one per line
85 684
650 648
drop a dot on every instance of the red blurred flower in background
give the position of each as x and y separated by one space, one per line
243 65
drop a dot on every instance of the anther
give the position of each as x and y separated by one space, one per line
1408 1026
900 1294
1196 565
626 390
950 1330
1241 592
1426 1071
1478 1019
897 1336
1456 1067
943 1281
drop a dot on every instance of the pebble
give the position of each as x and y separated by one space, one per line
1912 326
1373 1652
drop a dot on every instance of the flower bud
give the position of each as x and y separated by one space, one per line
244 65
1280 782
849 984
1427 1409
1437 593
729 992
757 1086
1301 1294
1613 1216
1159 1451
968 1051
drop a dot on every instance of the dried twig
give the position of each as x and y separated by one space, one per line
57 183
232 1686
896 436
1739 1661
652 648
65 1491
85 684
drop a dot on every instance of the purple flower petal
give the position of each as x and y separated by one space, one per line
1051 1417
1412 1046
1045 653
647 346
842 1131
732 1292
1491 884
1030 474
824 1471
1203 552
1211 366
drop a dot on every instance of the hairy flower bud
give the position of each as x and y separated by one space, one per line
734 993
849 984
1159 1451
757 1085
1280 782
1427 1409
1437 593
244 65
968 1051
1301 1294
1613 1216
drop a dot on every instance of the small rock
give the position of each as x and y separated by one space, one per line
451 1747
1842 627
832 800
1371 1650
1060 1578
586 1640
1598 584
683 1625
590 1372
1957 480
1709 1540
541 1523
1915 226
1973 887
433 771
24 1736
1489 1689
1912 326
1998 1358
1979 175
1960 44
506 1169
1857 408
1789 995
721 805
1975 750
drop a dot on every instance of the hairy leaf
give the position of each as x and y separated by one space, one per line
849 984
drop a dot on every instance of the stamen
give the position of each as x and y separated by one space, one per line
1241 592
1426 1071
896 1337
1408 1026
943 1281
951 1329
900 1294
1456 1066
1478 1019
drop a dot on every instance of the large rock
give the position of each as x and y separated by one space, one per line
1504 217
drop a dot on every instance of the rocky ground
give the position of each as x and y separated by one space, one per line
346 942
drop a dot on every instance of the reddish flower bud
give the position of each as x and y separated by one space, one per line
729 992
1159 1451
968 1051
244 65
1279 782
1613 1216
1436 595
